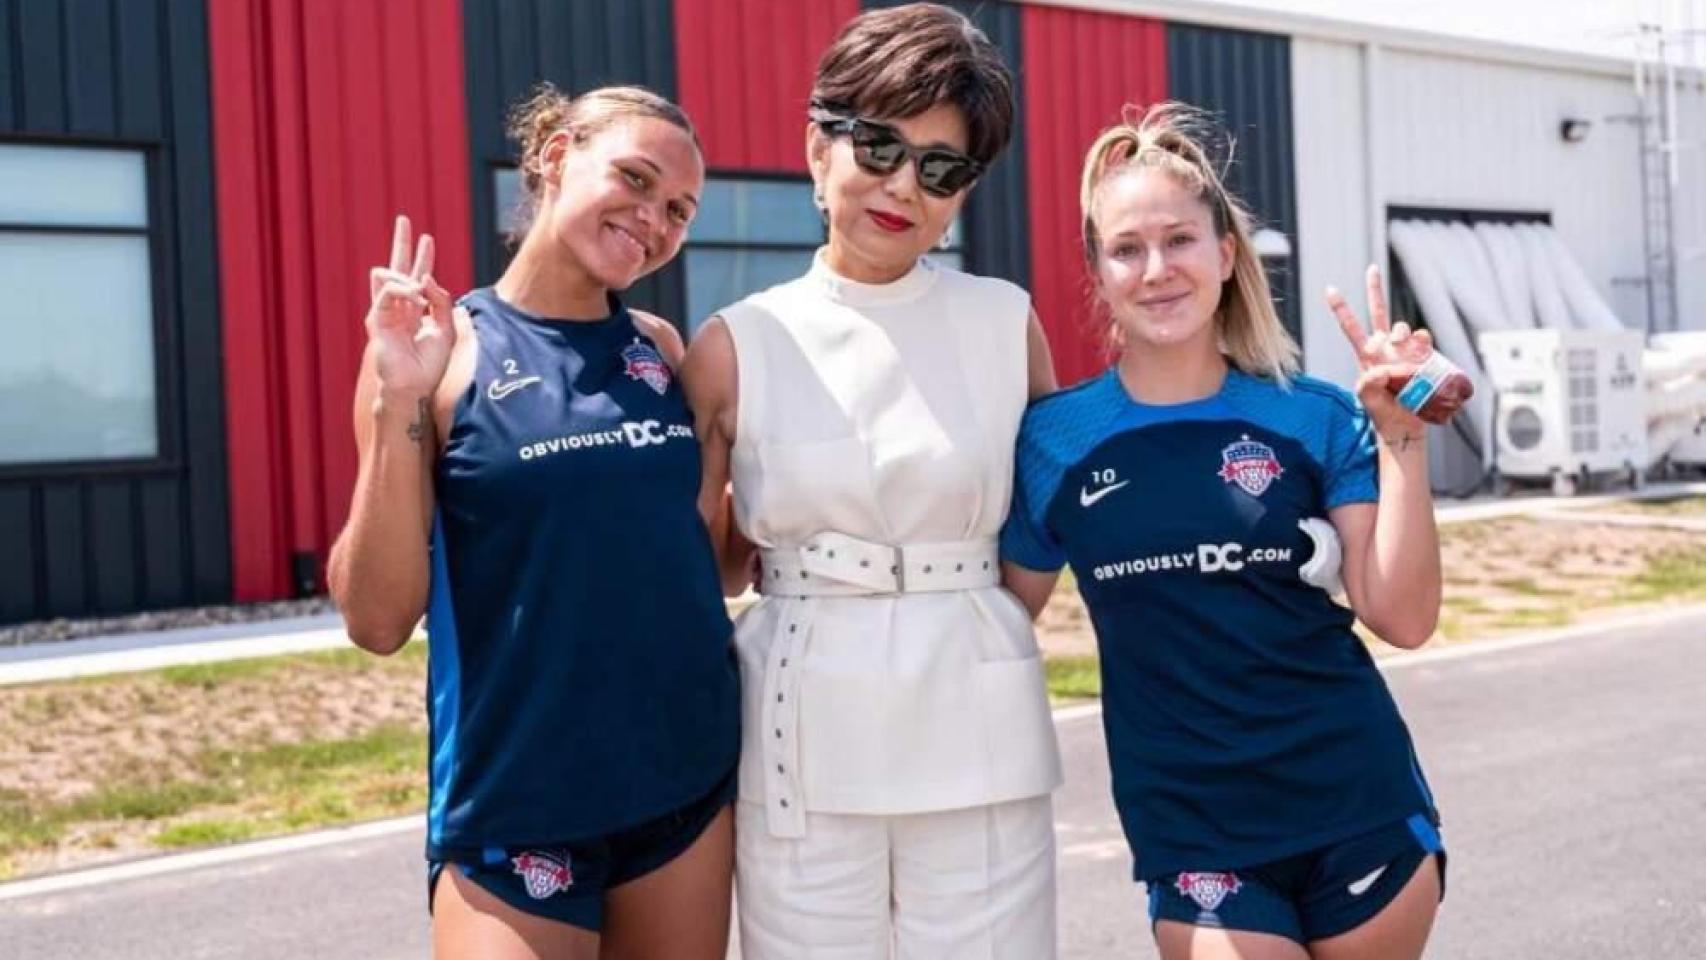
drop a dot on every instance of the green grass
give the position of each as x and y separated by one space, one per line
1464 605
1678 573
322 783
1527 587
1679 506
1528 618
252 793
1073 678
206 833
210 676
26 822
23 823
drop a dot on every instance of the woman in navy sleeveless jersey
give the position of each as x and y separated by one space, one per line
529 480
1265 780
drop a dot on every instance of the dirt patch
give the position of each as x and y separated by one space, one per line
1063 628
103 769
47 631
1677 507
59 741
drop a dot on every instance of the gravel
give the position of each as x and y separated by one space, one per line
49 631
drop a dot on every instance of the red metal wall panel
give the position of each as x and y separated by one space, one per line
745 71
329 117
1080 68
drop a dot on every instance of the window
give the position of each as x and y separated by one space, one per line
506 200
751 234
77 377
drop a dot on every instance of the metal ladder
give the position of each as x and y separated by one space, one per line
1655 96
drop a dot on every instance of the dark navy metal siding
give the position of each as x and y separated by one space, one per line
997 240
1246 79
107 538
512 45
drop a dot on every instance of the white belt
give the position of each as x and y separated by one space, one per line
835 564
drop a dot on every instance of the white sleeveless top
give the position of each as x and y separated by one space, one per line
888 413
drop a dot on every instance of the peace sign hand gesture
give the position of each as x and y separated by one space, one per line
409 323
1388 358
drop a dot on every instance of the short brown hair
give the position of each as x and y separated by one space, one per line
547 110
902 61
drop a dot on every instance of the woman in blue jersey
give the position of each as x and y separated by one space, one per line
1261 770
528 480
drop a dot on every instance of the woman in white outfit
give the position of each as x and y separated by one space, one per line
898 753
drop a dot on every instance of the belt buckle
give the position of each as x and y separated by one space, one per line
899 569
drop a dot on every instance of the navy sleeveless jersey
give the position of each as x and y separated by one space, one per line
581 672
1245 720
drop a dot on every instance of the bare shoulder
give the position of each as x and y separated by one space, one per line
711 371
712 353
662 333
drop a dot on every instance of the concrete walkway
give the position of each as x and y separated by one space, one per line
1491 508
129 653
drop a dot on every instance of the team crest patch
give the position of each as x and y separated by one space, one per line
1251 465
645 364
545 874
1209 890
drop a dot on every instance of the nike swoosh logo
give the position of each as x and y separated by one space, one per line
1086 498
497 391
1361 886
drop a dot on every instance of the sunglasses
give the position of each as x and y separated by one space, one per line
879 150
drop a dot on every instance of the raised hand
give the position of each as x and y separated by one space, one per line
409 322
1388 357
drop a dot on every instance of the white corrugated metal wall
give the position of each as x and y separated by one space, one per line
1333 216
1441 131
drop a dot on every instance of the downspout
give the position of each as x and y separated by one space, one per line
1375 199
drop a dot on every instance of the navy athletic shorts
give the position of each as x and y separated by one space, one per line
567 882
1309 897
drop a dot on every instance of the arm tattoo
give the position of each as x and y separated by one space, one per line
423 418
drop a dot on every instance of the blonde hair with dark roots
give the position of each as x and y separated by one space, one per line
533 121
1172 137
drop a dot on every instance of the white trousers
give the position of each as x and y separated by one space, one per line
972 884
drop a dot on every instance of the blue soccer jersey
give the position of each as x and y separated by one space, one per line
582 677
1245 720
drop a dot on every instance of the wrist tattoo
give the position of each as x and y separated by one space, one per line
423 417
1400 443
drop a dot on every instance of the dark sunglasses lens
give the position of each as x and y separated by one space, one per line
944 174
877 151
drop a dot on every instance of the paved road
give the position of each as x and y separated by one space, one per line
1572 777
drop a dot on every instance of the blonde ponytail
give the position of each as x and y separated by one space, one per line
1170 137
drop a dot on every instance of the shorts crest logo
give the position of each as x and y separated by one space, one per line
644 363
1251 465
545 874
1209 890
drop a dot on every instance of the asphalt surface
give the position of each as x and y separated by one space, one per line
1572 777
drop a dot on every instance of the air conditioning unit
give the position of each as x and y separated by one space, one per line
1690 451
1569 405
